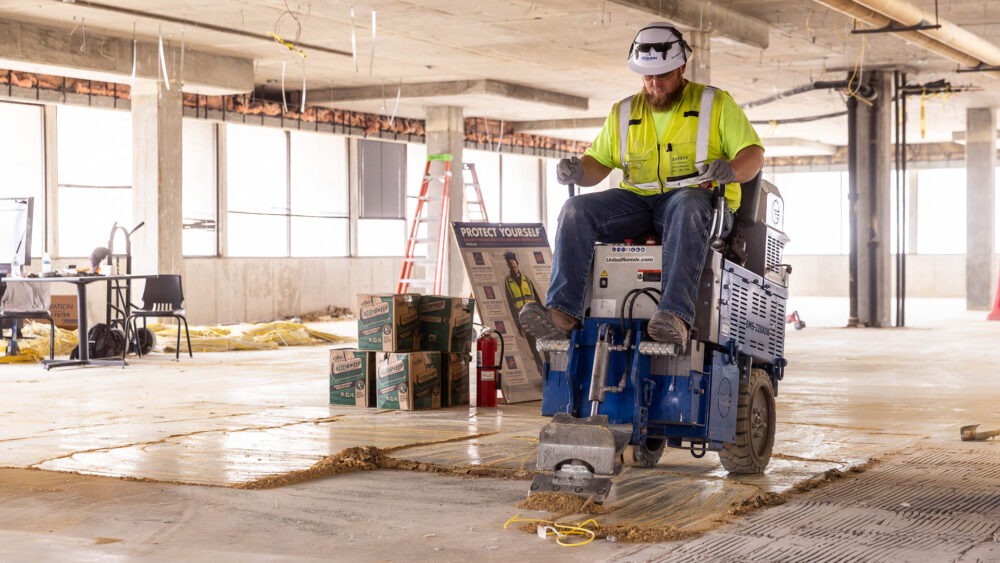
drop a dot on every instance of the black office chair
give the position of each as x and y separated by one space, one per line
10 320
162 297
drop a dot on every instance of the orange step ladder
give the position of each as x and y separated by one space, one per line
477 205
433 265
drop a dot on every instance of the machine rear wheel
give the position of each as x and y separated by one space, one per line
751 450
644 456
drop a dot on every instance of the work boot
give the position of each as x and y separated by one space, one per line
668 328
541 322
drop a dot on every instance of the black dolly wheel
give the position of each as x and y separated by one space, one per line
644 456
751 450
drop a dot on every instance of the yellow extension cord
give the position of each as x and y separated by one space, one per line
561 529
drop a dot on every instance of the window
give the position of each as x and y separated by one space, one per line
95 176
383 206
287 193
319 195
941 211
521 199
199 195
257 191
556 195
22 160
816 214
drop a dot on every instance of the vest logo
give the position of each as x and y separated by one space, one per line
349 365
371 311
758 328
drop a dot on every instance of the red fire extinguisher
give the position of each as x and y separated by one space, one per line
488 365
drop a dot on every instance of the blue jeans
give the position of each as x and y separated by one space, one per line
682 216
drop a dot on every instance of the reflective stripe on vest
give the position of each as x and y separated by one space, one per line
701 144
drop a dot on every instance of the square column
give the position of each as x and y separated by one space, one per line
869 165
699 68
445 133
156 192
980 165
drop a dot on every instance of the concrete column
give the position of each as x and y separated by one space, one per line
222 184
445 133
700 66
980 164
50 140
156 193
870 164
911 210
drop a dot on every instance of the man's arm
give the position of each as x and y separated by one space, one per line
593 172
746 164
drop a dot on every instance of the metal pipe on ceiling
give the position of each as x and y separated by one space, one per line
875 19
949 33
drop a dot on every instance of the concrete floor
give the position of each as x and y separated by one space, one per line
229 418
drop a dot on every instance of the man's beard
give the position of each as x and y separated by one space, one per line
666 102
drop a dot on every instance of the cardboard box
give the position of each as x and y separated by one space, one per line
408 381
388 323
64 311
352 378
455 379
446 323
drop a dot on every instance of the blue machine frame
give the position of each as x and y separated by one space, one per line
692 400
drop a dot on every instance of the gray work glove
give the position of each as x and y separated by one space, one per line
569 171
721 171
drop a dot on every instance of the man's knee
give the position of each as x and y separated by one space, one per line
574 211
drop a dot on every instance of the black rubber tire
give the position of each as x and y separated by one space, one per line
146 338
644 456
750 452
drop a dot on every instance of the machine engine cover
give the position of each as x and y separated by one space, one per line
752 314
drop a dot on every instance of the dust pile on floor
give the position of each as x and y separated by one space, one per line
371 458
562 503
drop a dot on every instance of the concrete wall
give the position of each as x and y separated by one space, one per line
233 290
230 290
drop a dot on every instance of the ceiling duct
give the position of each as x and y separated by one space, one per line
875 19
949 33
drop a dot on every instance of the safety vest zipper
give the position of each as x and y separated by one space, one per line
658 178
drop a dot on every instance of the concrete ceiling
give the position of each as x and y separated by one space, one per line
569 47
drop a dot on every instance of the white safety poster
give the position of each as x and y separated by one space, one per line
509 265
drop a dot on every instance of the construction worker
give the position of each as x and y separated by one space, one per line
654 136
520 292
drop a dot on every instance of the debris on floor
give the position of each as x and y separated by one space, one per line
331 313
258 336
562 503
34 346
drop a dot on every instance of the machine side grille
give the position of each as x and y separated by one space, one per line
775 245
739 303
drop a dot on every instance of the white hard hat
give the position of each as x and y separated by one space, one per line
658 48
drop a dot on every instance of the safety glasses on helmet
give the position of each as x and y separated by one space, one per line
662 47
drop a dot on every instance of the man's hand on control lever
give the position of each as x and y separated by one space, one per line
721 171
569 171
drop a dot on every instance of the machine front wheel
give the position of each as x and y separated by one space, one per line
751 450
644 456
